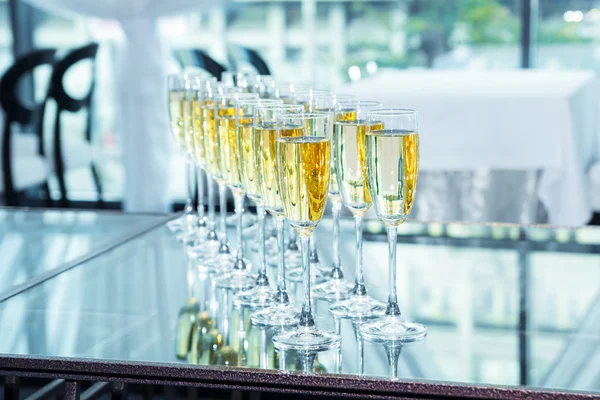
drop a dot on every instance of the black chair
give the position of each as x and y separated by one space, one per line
239 54
64 102
199 59
25 115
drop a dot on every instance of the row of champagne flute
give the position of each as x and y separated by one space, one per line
281 156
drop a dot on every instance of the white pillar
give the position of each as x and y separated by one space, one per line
218 33
277 42
337 41
398 19
309 15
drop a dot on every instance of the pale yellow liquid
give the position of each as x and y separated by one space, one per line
188 125
349 140
211 144
198 134
392 171
248 158
303 169
185 322
228 147
176 117
334 190
266 150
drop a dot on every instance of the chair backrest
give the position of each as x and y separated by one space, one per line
251 56
16 111
57 91
12 105
198 58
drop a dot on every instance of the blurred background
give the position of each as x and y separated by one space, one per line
328 43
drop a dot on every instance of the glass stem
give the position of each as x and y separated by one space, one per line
336 273
200 184
392 306
212 235
264 357
359 284
314 255
225 317
190 277
239 213
338 354
306 318
223 214
262 279
189 180
293 242
393 354
282 296
307 358
360 349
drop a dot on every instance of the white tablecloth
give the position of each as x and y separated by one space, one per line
509 120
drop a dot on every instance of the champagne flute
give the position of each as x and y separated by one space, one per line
392 164
176 87
195 135
349 143
238 82
204 115
224 260
303 171
266 87
281 312
240 278
300 94
335 288
262 294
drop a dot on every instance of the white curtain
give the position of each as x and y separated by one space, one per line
142 117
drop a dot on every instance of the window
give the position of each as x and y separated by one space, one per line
568 35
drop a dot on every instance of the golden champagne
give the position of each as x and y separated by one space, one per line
334 190
392 171
211 144
176 116
198 133
202 326
185 322
228 147
349 139
266 151
188 125
303 169
248 158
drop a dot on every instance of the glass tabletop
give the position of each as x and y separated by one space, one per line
35 242
504 304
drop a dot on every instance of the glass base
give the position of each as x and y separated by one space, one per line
247 220
276 315
358 307
258 296
204 251
270 247
333 290
221 263
250 232
293 259
297 275
392 329
190 237
236 280
183 223
307 339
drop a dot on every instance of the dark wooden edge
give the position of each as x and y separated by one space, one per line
263 380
